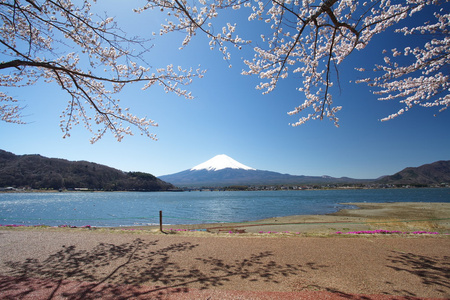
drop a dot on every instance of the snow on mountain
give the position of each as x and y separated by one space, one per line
222 170
220 162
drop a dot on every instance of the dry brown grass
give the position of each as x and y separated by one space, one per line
405 225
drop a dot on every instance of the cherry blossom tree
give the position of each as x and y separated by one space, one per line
425 80
88 56
312 37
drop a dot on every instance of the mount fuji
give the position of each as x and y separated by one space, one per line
220 162
222 170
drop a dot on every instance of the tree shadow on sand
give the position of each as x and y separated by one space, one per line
432 271
119 271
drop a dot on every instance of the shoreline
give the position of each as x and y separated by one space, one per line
218 189
393 216
404 216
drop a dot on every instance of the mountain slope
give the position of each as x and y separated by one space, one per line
222 170
434 173
40 172
228 177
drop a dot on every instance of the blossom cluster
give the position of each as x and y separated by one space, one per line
424 81
63 42
191 16
311 38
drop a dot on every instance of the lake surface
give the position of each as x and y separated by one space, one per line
139 208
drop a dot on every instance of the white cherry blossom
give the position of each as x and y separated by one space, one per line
311 38
34 38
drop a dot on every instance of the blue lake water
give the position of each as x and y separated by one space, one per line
137 208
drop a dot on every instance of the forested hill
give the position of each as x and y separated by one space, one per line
38 172
434 173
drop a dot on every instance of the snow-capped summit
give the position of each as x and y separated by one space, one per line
222 170
220 162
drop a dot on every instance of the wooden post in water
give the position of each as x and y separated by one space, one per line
160 221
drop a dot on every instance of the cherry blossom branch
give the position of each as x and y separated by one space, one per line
328 69
309 37
422 82
35 33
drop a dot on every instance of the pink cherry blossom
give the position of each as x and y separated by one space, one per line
311 38
89 57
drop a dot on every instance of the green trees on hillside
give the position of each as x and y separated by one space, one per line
37 172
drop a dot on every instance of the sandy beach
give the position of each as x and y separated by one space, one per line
55 263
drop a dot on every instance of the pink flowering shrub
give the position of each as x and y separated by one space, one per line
59 226
386 232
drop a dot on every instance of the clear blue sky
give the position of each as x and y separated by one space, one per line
229 116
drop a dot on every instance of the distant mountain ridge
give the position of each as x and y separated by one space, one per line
434 173
38 172
222 170
227 177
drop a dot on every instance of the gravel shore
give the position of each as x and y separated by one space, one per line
52 263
